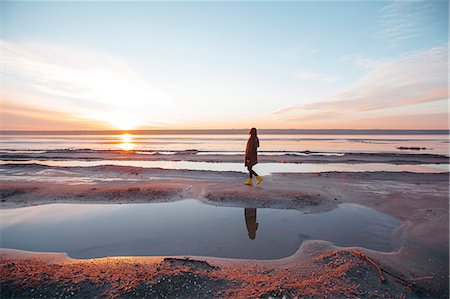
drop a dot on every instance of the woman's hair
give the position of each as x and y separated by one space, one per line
253 132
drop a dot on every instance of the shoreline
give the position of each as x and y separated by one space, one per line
198 156
419 200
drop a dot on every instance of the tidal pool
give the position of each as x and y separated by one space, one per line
189 227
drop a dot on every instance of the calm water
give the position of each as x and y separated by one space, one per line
189 227
436 144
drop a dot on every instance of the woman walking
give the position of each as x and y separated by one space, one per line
251 157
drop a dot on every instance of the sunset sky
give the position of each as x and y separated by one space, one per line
222 65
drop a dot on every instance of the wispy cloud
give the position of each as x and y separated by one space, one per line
364 62
87 84
20 116
404 19
312 76
409 80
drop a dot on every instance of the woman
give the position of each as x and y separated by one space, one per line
250 222
251 157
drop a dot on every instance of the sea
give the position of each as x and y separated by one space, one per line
232 142
431 143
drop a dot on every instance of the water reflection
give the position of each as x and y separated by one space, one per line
250 222
188 227
126 142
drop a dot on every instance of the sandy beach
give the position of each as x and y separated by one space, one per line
419 268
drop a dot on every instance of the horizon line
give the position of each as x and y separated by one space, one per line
233 131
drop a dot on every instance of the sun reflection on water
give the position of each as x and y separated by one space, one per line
126 142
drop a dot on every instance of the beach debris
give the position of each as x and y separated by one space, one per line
189 152
365 257
413 148
196 264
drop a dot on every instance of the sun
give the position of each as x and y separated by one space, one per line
125 122
126 142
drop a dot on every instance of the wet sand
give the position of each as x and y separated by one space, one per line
198 156
418 269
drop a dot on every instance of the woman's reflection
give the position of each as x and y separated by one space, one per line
250 222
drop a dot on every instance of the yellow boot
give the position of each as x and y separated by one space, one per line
258 180
249 182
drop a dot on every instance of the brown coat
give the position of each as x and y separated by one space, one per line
250 222
251 152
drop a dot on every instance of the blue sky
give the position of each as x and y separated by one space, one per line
299 64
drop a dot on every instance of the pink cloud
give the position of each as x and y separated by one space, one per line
407 81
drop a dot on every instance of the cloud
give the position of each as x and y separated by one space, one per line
365 63
412 79
19 116
88 84
422 121
404 19
311 76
